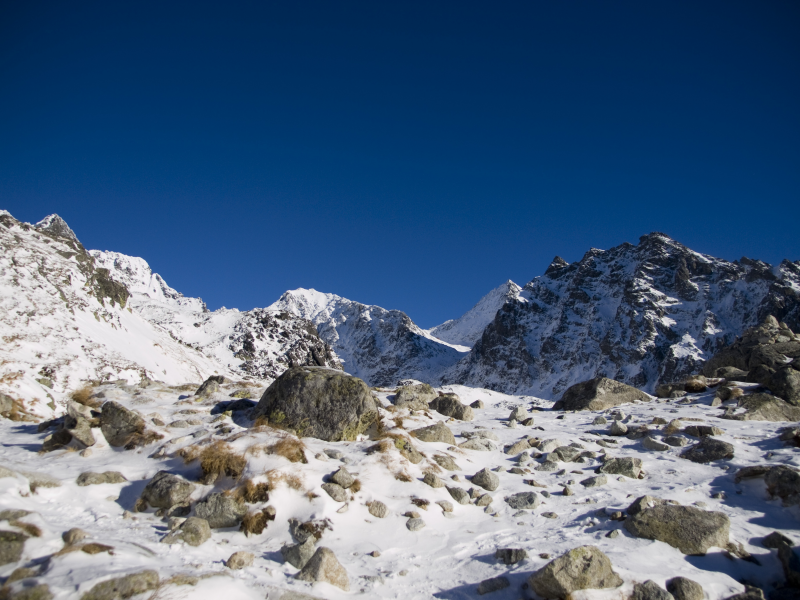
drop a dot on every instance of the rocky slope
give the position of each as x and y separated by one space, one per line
642 314
380 346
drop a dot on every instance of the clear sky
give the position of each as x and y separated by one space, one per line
409 154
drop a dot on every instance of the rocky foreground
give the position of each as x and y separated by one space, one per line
320 486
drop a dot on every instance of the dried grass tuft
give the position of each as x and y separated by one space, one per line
29 528
403 476
276 478
398 422
252 492
291 449
420 502
220 459
254 523
356 487
83 396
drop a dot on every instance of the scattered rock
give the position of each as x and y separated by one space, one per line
240 560
585 567
335 491
700 431
682 588
432 480
654 444
446 462
618 428
123 587
677 441
708 450
90 478
486 479
517 447
650 590
343 478
11 546
629 467
599 393
415 524
299 554
783 482
689 529
221 510
594 481
510 556
73 536
477 404
479 444
524 500
318 402
643 502
414 397
120 425
166 490
378 509
775 540
446 505
599 421
495 584
458 494
450 405
193 531
210 386
435 433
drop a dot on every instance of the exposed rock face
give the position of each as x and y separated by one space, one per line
299 554
210 386
437 432
689 529
415 397
582 568
629 467
708 450
682 588
318 402
220 510
631 313
166 490
450 405
324 566
11 546
599 393
764 407
119 425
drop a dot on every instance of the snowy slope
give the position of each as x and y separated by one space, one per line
468 328
63 321
378 345
642 314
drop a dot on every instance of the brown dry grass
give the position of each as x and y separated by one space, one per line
252 492
291 449
398 422
29 528
276 478
256 522
356 487
220 459
403 476
420 502
83 395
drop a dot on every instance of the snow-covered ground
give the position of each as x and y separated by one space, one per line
448 557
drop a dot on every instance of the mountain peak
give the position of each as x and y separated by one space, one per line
55 225
556 264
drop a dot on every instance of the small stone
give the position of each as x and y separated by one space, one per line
335 491
477 404
378 509
458 494
374 554
682 588
548 466
618 428
194 531
334 453
415 524
594 481
412 514
775 540
446 505
343 478
653 444
567 491
299 554
484 500
324 567
486 479
240 560
599 421
446 462
718 495
510 556
85 453
524 500
74 536
613 533
549 515
90 478
494 584
650 590
432 480
581 568
677 441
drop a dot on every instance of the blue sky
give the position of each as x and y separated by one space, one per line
408 154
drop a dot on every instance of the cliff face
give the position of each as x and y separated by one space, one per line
643 314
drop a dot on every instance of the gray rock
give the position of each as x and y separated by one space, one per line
517 447
700 431
90 478
414 397
480 434
682 588
458 494
323 566
775 540
483 500
343 478
478 444
119 425
240 560
432 480
495 584
594 481
335 491
510 556
179 424
643 502
764 407
785 383
450 405
166 490
731 374
334 453
790 559
123 587
477 404
408 451
629 467
585 567
546 446
547 466
783 482
445 505
524 500
518 413
599 421
415 524
435 433
221 511
708 450
318 402
618 428
446 462
194 531
654 444
650 590
210 386
599 393
486 479
565 454
298 555
677 441
73 536
81 430
378 509
689 529
11 546
35 592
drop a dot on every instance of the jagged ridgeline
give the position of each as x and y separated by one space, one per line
642 314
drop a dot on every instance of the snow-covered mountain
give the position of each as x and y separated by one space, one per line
468 328
642 314
378 345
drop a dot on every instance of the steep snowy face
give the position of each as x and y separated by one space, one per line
64 321
257 343
468 328
641 314
380 346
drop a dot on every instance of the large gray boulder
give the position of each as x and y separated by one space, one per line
166 490
119 425
650 590
318 402
582 568
486 479
708 450
599 393
450 405
687 528
123 587
438 432
324 566
524 500
221 511
299 554
785 383
194 531
210 386
414 397
682 588
11 546
629 467
764 407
